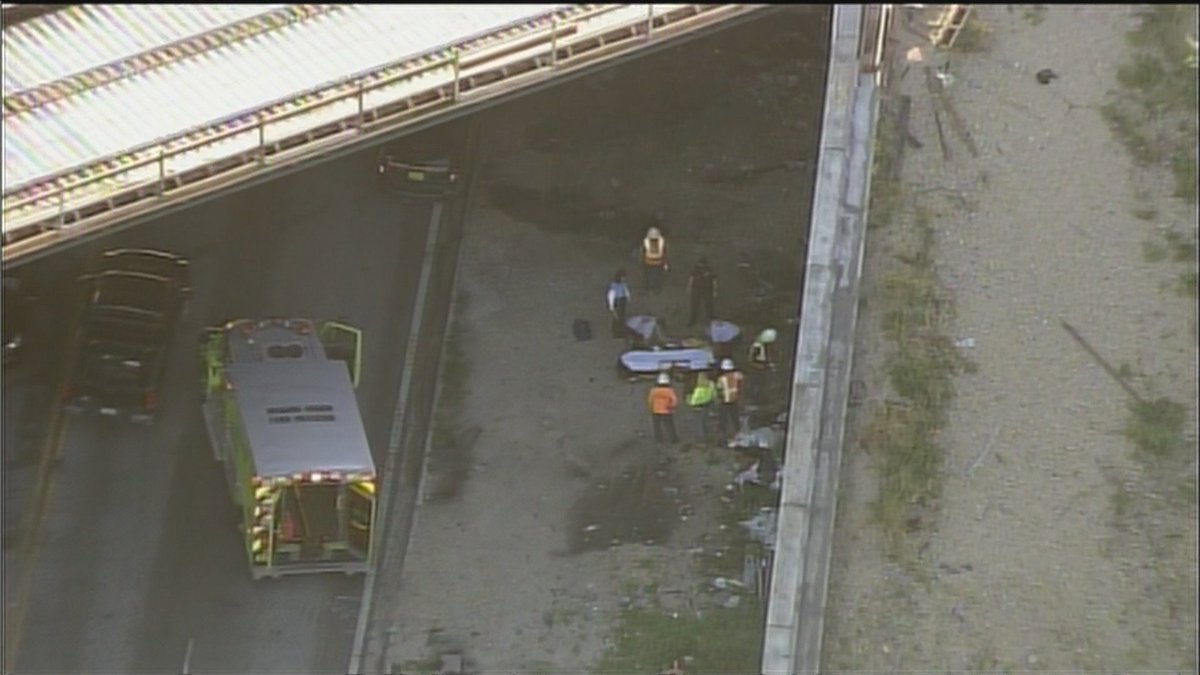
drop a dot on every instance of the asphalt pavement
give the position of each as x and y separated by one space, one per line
140 566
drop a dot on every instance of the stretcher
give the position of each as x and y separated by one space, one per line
653 361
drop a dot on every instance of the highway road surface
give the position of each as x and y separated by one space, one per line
139 563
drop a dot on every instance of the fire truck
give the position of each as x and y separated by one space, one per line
282 417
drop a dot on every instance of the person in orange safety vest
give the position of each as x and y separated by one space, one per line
662 401
729 393
654 259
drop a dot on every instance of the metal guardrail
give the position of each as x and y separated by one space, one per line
141 179
794 631
92 78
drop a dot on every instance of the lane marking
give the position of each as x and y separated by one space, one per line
34 519
187 659
397 433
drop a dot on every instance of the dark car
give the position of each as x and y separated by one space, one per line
420 165
135 299
15 311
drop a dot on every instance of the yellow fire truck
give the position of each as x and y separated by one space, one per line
282 417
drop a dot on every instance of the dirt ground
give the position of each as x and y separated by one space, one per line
1053 546
548 510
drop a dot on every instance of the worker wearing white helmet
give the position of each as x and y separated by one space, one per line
761 361
662 401
729 394
654 259
760 351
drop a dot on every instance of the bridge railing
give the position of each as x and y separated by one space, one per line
78 200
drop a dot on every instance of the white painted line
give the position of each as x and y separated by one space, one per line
187 659
397 433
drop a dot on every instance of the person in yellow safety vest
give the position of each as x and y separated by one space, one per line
701 400
729 393
654 259
662 401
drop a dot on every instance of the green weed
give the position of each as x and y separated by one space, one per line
921 373
1122 501
718 641
1183 170
1156 427
1153 251
1130 133
1187 285
1034 14
1159 90
1145 214
1182 249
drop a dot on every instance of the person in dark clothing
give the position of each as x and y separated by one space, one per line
702 287
617 300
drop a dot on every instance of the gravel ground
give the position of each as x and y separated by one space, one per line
1053 547
547 506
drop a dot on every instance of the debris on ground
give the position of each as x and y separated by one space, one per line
763 438
762 527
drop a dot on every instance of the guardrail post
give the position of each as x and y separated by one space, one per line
454 59
262 138
62 207
649 20
361 94
162 170
554 41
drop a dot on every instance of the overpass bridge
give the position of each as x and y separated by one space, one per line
117 113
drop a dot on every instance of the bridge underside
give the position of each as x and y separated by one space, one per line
44 213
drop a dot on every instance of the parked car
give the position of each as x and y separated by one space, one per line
420 165
16 308
135 300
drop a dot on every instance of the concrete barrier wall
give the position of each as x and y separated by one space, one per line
825 340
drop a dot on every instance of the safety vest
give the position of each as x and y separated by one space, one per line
758 353
662 400
654 251
729 385
702 395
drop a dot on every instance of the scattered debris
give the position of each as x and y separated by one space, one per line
762 527
676 668
724 584
965 343
754 476
1100 359
982 453
1045 75
763 438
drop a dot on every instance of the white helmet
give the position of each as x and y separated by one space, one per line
664 378
727 364
767 336
653 233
